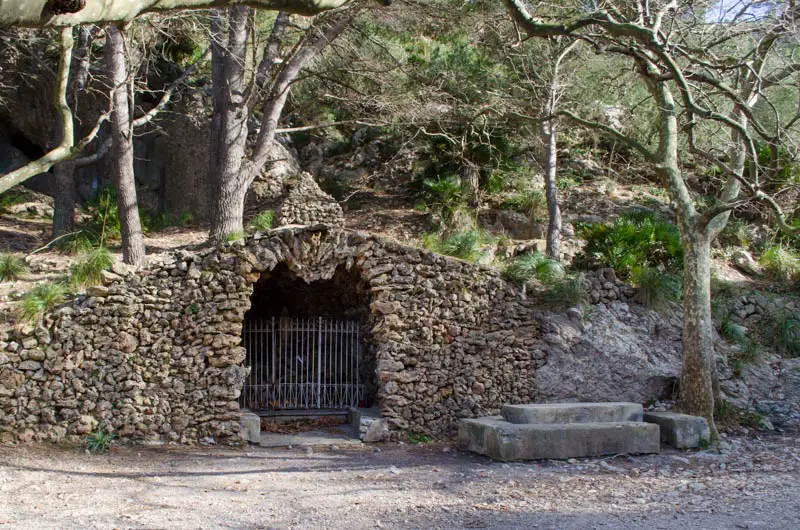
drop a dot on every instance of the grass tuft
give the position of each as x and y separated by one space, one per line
785 336
236 235
99 441
262 222
89 270
569 291
780 263
531 203
39 300
463 244
655 289
526 267
11 267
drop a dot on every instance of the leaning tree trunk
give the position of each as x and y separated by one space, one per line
548 135
64 199
133 250
698 372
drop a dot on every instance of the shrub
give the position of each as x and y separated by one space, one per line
655 289
99 441
262 222
635 239
525 267
567 291
531 203
89 270
11 267
785 333
780 263
443 196
41 299
463 244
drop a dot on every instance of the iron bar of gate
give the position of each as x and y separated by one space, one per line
302 363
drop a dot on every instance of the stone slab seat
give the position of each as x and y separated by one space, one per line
681 431
547 413
501 440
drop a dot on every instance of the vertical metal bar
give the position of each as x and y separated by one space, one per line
348 387
358 367
319 364
327 366
308 362
339 354
305 364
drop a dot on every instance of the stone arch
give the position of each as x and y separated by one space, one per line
310 273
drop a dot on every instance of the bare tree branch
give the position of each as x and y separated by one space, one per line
41 13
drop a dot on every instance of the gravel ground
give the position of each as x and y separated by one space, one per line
751 483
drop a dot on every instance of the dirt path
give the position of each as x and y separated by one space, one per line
751 484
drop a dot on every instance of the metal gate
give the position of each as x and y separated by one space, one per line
300 364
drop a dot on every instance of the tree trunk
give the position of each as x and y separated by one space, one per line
229 124
133 250
698 371
64 199
232 174
228 210
470 175
548 135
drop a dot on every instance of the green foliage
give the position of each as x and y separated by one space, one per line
526 267
99 441
635 239
77 243
236 235
655 289
333 186
531 203
735 234
444 197
10 198
102 225
262 222
785 333
39 300
569 291
787 169
88 271
566 183
11 267
463 244
780 263
730 330
160 221
418 438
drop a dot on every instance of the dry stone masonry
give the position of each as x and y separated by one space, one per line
156 354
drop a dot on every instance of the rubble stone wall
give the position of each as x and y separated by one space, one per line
157 355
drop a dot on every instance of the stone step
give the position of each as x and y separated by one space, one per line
681 431
501 440
548 413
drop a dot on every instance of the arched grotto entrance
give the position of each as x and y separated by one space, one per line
307 344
